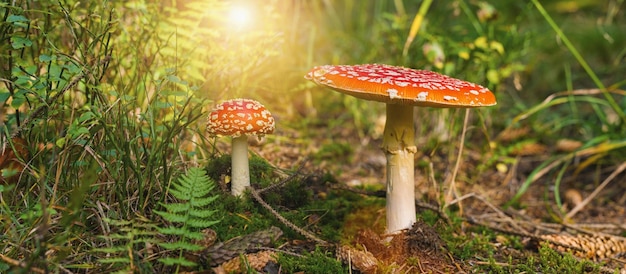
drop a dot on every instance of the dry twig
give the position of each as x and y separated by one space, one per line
586 201
308 235
284 181
452 191
493 207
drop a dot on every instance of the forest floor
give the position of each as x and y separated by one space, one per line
480 201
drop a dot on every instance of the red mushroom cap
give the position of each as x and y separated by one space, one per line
238 117
399 85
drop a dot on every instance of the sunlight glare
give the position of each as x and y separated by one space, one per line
240 16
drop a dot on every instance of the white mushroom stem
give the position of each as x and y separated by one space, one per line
399 147
240 177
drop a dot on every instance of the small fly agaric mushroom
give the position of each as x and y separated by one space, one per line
239 118
401 89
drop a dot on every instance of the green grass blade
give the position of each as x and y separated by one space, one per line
581 61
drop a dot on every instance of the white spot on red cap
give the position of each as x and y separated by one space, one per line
422 96
402 83
393 93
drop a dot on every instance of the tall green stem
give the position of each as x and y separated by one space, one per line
581 61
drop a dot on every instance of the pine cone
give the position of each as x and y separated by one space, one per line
588 246
256 261
361 260
222 252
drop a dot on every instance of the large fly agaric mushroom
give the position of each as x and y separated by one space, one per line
401 89
239 118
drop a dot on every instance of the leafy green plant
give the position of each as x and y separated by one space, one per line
126 246
189 216
143 143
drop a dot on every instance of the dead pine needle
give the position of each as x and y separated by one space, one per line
593 194
17 263
452 191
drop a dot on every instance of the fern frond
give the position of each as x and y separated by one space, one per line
203 202
201 213
181 245
200 223
188 216
182 194
113 249
179 231
115 236
172 217
124 245
178 207
169 261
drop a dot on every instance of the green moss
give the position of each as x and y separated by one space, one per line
318 261
293 195
551 261
548 261
218 166
515 242
469 245
323 214
239 217
479 246
337 151
260 171
429 217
